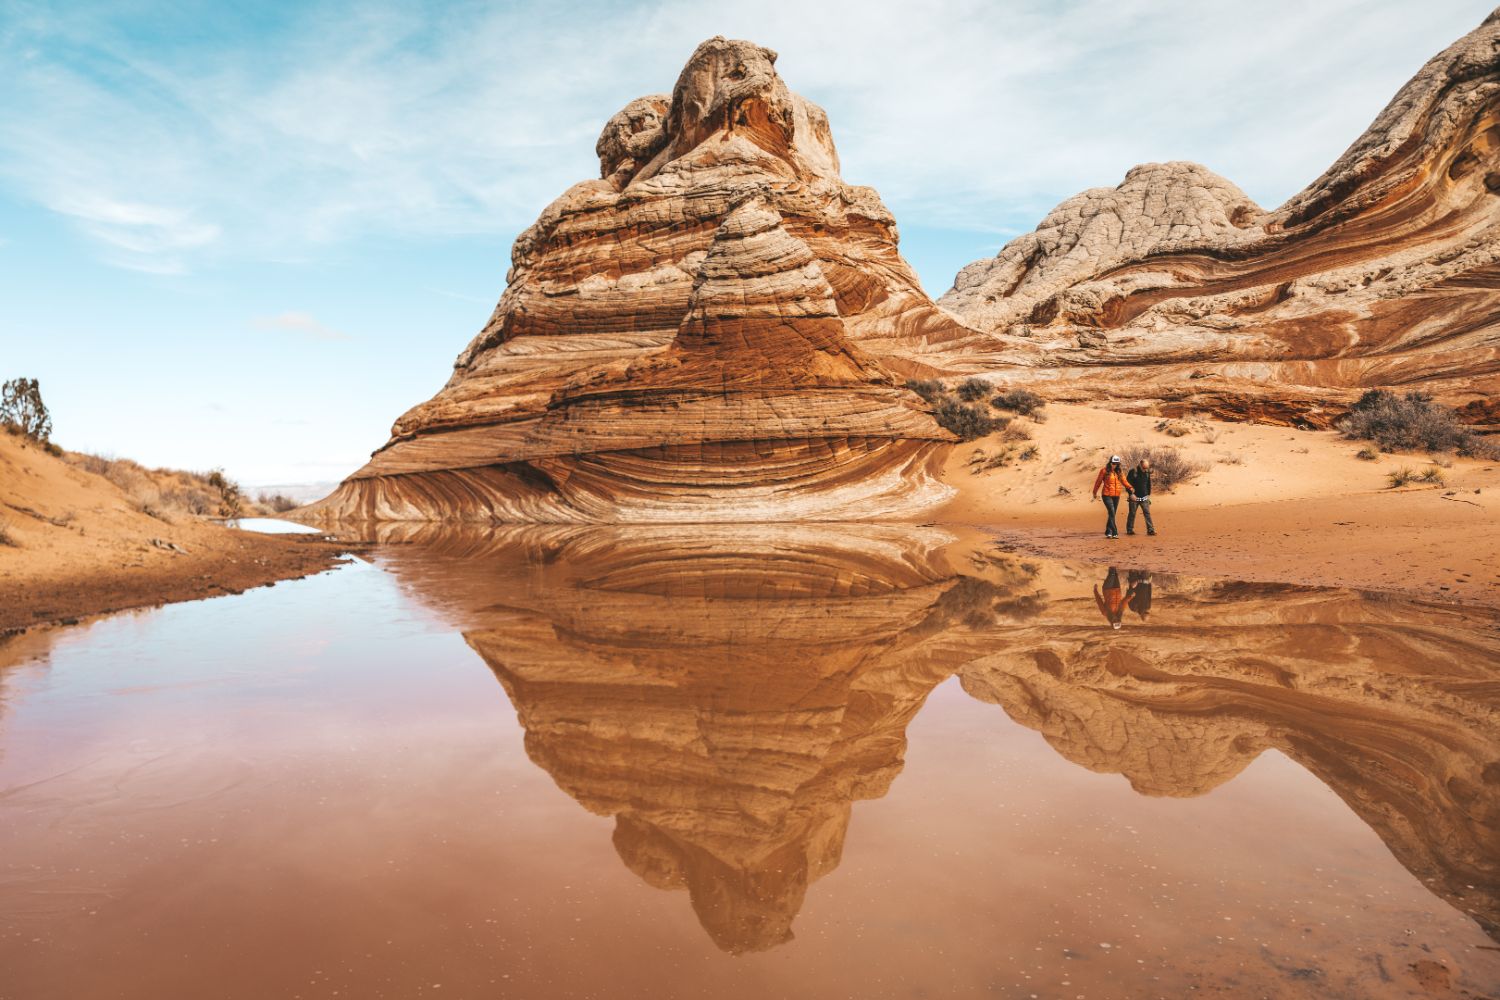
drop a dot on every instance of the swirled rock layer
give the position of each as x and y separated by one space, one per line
1384 272
706 332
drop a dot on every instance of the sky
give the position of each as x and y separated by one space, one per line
250 236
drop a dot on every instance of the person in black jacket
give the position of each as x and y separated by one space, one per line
1139 479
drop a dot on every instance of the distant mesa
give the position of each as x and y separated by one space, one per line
1175 287
697 335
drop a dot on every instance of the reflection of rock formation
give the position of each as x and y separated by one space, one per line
697 335
727 693
1393 706
1385 271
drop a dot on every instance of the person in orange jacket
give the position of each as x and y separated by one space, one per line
1111 599
1111 483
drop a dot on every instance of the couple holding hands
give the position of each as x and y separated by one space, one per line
1112 482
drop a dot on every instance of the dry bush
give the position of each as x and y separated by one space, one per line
1015 432
1031 452
277 503
1021 401
929 389
1367 454
1412 422
1432 474
1169 467
966 420
1397 478
972 390
163 493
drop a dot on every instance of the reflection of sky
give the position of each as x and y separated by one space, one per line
253 235
326 769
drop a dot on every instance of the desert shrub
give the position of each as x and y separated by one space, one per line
1169 467
231 501
1367 454
1412 422
1174 428
964 419
1397 478
1032 451
278 503
158 492
1021 401
1432 474
929 389
1015 432
972 390
21 407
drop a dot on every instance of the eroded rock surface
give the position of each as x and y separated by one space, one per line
703 333
1174 286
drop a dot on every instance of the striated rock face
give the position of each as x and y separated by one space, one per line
1384 272
711 331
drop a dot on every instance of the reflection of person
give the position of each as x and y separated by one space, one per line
1138 598
1111 482
1138 480
1111 600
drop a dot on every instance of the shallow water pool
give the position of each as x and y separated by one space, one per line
763 762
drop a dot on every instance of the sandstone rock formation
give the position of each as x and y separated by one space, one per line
725 693
698 335
1174 286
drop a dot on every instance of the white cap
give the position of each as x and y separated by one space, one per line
1114 458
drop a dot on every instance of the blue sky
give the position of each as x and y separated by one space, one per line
251 235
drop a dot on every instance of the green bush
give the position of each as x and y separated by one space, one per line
21 407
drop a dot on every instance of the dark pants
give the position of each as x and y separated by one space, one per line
1111 504
1145 509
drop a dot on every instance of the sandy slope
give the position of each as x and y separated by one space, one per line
1276 504
78 546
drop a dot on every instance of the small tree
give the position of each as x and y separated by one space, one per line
21 406
230 505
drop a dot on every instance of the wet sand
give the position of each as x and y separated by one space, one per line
751 763
1273 504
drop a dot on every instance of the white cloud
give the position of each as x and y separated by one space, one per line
299 323
349 121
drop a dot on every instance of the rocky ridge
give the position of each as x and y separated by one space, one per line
1175 287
